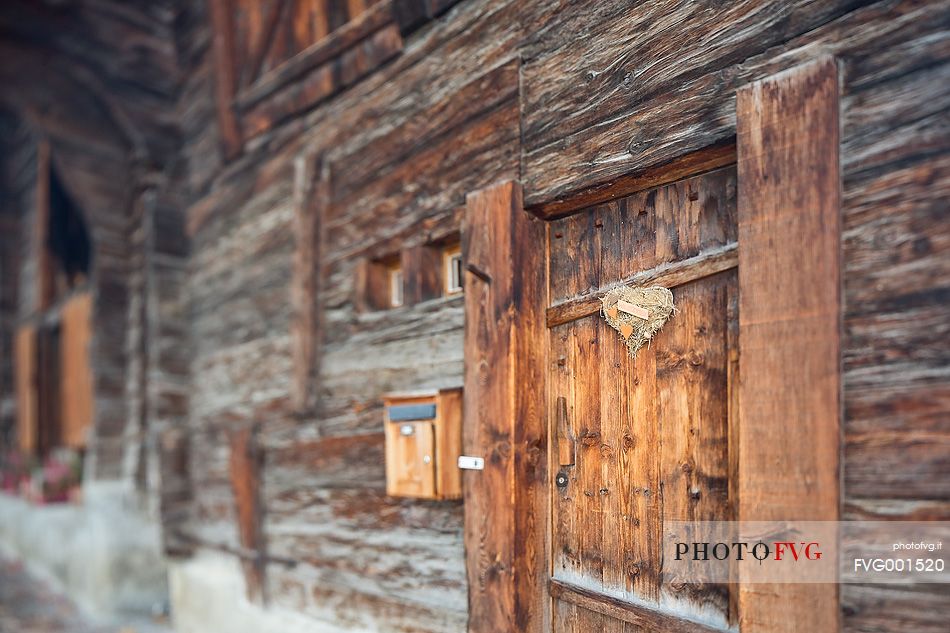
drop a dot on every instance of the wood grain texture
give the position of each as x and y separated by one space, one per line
411 138
653 433
504 509
789 284
310 203
678 107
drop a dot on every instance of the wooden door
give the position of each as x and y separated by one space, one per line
650 439
751 252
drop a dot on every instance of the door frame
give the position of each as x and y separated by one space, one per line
787 148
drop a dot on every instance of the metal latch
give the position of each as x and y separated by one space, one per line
467 462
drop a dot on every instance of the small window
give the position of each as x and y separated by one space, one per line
452 269
395 286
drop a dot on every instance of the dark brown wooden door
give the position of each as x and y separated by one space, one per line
652 438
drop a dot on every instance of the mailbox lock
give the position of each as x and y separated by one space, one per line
406 429
426 459
561 480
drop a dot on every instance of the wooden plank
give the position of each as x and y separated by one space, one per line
789 315
669 275
76 401
325 80
648 619
693 418
259 47
245 465
691 164
321 52
225 78
307 331
504 504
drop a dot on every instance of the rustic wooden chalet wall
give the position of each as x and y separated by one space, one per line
569 98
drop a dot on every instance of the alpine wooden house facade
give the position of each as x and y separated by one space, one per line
270 268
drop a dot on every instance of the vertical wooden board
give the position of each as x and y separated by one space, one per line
789 314
638 521
575 255
302 24
505 508
637 436
76 404
532 504
695 214
693 413
224 34
638 232
489 516
26 388
311 182
614 413
565 562
578 543
245 466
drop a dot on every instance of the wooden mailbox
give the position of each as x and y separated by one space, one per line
423 443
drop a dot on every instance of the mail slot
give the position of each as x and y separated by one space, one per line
423 443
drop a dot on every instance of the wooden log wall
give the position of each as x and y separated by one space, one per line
571 101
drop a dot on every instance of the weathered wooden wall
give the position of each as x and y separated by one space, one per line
569 98
255 320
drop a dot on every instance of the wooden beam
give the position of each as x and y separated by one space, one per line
505 504
321 52
691 164
311 189
245 471
789 324
266 37
668 274
648 618
222 24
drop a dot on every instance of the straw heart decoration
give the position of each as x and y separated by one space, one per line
637 313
